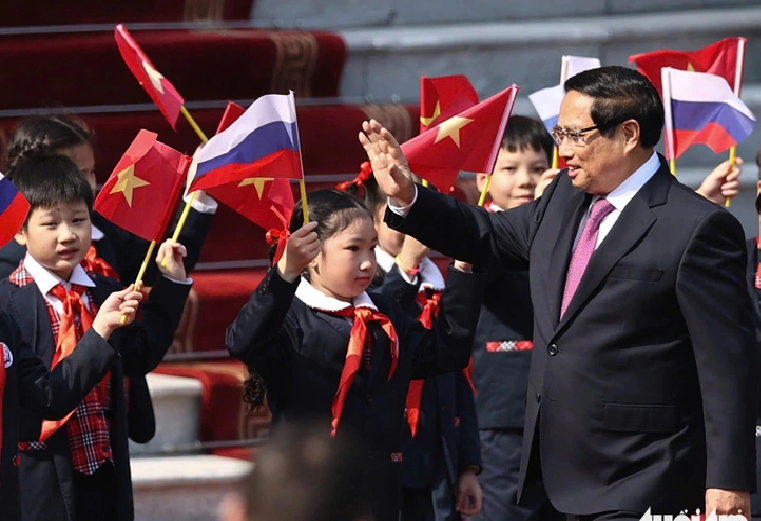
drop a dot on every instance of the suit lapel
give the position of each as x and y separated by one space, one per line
32 314
561 253
633 223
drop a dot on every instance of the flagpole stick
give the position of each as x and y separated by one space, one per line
304 206
555 157
194 125
425 183
139 279
485 190
732 161
188 204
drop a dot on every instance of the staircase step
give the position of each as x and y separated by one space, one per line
177 406
190 488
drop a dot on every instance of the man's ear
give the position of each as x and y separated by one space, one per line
631 133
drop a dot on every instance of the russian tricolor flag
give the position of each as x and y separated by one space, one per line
701 108
261 143
13 210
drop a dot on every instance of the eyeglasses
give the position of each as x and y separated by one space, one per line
575 135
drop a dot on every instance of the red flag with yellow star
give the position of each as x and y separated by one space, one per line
724 58
160 89
443 97
143 190
468 141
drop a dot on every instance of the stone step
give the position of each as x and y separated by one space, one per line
189 488
331 14
177 405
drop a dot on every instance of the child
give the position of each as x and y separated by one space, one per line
336 352
115 252
441 449
79 468
26 382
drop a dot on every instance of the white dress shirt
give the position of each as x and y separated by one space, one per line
46 280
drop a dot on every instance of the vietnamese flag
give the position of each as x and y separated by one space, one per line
444 97
724 58
232 112
161 91
468 141
142 192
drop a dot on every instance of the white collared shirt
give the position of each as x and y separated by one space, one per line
46 280
430 276
620 197
316 299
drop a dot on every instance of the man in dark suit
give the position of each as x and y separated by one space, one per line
644 361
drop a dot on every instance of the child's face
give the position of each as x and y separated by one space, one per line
84 158
515 177
59 237
390 241
346 263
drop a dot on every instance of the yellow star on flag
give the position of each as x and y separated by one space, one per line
436 113
451 128
153 75
127 182
258 182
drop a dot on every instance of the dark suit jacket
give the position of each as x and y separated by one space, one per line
52 395
755 295
300 352
647 384
46 476
448 429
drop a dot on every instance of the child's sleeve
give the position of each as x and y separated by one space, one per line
257 335
144 343
56 393
396 287
469 442
446 347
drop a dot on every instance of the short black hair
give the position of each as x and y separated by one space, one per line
46 180
621 94
46 135
524 133
333 210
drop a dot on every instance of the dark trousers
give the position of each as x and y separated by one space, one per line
501 454
417 505
94 494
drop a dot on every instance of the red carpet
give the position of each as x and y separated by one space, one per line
46 12
85 69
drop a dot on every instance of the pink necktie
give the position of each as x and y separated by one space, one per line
584 250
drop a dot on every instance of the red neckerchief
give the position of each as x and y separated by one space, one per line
95 264
360 316
279 237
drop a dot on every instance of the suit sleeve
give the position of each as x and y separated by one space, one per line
446 347
395 287
58 392
469 233
714 301
469 442
145 342
257 335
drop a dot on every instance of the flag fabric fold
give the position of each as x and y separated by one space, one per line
722 58
143 190
468 141
13 210
701 108
444 97
161 90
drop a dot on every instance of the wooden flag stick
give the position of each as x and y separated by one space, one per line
304 206
672 167
139 279
732 161
192 196
484 191
555 157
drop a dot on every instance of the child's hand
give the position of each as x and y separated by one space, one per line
412 254
722 182
119 304
544 181
303 246
469 494
387 159
174 267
